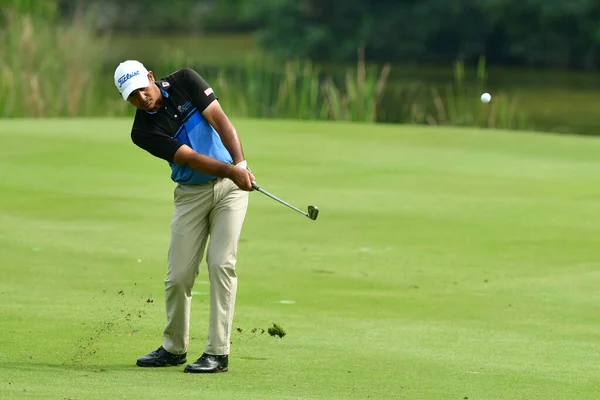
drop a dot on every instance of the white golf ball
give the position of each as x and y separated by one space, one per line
486 97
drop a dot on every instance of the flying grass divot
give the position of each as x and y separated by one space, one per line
276 330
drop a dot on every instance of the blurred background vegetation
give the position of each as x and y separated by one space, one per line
402 61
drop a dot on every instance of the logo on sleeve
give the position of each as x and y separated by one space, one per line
208 91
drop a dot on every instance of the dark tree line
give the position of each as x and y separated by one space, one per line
555 33
511 32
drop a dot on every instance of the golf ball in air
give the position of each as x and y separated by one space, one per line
486 97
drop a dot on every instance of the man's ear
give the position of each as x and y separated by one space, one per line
151 76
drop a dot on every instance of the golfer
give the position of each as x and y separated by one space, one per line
180 120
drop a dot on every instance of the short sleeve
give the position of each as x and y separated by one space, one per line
155 142
196 87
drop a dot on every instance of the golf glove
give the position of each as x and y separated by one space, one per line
243 164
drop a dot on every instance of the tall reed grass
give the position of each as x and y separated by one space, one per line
52 70
459 103
259 87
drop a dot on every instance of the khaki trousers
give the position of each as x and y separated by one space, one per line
217 210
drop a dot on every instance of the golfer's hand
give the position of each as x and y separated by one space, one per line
243 178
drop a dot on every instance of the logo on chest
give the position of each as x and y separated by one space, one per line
185 107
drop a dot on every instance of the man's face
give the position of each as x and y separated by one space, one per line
148 98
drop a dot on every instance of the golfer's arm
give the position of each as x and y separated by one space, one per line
215 115
185 155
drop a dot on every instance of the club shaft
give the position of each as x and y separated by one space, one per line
279 200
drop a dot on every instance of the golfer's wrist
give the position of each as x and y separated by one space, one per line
242 164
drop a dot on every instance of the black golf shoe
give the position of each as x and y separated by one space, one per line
161 358
208 364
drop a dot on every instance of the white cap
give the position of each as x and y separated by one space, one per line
129 76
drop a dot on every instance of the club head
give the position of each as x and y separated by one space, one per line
313 212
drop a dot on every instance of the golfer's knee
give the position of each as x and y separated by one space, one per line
179 281
222 265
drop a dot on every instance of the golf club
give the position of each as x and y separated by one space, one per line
312 213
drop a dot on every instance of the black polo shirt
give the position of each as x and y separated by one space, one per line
161 133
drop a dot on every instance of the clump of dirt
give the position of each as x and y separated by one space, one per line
276 330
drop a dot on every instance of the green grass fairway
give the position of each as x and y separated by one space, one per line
445 264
